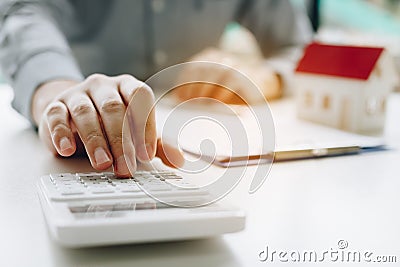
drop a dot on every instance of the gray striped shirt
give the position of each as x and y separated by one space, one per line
43 40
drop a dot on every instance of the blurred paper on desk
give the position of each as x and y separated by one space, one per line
290 134
233 132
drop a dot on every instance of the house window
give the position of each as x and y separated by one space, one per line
326 102
308 99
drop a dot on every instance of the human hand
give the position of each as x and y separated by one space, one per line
90 115
219 77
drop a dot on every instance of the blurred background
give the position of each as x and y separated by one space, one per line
359 22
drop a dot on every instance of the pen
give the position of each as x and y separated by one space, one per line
315 153
286 155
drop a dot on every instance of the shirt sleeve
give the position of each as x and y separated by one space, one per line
282 30
33 49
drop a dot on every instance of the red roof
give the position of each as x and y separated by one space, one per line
341 61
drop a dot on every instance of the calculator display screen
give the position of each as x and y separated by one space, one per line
113 210
121 209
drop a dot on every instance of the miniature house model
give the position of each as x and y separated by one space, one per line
344 86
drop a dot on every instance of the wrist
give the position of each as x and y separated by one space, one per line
45 93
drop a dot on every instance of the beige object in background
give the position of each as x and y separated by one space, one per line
240 42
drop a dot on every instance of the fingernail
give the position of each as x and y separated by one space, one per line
65 144
146 152
121 166
101 156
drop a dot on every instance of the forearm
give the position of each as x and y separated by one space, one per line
33 51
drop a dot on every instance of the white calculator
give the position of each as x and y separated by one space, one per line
97 209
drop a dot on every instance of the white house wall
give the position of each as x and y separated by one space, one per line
338 89
388 70
379 89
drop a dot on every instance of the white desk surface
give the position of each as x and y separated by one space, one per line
303 205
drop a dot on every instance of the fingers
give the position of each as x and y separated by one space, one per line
84 115
95 109
140 115
59 129
128 147
111 109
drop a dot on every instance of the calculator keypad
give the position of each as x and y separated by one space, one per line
68 186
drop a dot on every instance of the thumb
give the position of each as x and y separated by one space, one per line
170 156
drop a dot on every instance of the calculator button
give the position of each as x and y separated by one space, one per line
129 188
148 180
160 187
92 184
76 209
142 174
167 177
160 172
181 184
68 183
72 191
93 187
89 174
93 179
62 177
102 190
58 180
153 183
109 174
121 182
